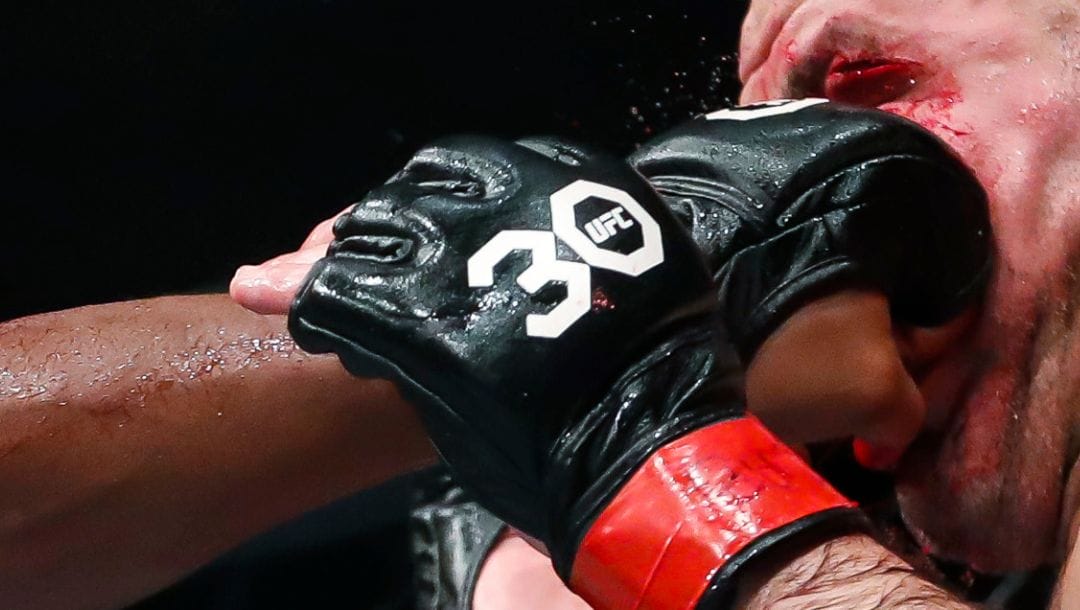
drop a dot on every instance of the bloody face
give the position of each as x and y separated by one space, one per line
996 80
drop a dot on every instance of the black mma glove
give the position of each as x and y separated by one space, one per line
792 200
557 329
451 534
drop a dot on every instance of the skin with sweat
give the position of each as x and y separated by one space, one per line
139 440
996 80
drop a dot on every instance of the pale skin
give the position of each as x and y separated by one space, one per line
997 80
140 440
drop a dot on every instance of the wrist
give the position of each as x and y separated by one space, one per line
695 512
679 387
515 574
852 572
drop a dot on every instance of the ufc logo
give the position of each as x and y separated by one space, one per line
603 227
547 267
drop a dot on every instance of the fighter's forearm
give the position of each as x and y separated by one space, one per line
138 440
851 572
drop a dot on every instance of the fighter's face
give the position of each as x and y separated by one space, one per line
997 80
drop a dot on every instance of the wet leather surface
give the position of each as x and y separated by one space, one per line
789 205
542 430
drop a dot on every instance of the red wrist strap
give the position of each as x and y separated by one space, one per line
692 505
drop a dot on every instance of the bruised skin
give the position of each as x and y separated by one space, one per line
996 80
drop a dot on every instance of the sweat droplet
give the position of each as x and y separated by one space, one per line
695 73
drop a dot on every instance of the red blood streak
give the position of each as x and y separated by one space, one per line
601 301
870 82
933 113
791 55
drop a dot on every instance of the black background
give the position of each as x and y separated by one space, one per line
151 147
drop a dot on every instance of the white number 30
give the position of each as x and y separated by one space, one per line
546 267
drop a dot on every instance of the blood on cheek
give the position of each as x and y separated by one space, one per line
870 82
935 113
898 86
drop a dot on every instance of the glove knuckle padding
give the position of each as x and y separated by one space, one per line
789 206
529 423
559 331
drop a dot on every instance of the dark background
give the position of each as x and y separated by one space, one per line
151 147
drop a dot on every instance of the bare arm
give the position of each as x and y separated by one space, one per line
139 440
848 573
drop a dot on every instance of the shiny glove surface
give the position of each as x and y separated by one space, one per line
546 370
790 200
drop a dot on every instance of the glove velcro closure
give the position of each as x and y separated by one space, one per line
695 512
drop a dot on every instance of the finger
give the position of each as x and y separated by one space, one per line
304 256
833 370
880 446
880 443
269 288
920 346
267 291
323 233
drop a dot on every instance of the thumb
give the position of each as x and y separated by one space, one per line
269 288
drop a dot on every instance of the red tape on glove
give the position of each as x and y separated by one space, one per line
694 504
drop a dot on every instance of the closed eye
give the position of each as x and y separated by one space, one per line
870 82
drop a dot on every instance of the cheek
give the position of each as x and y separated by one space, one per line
959 123
936 112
